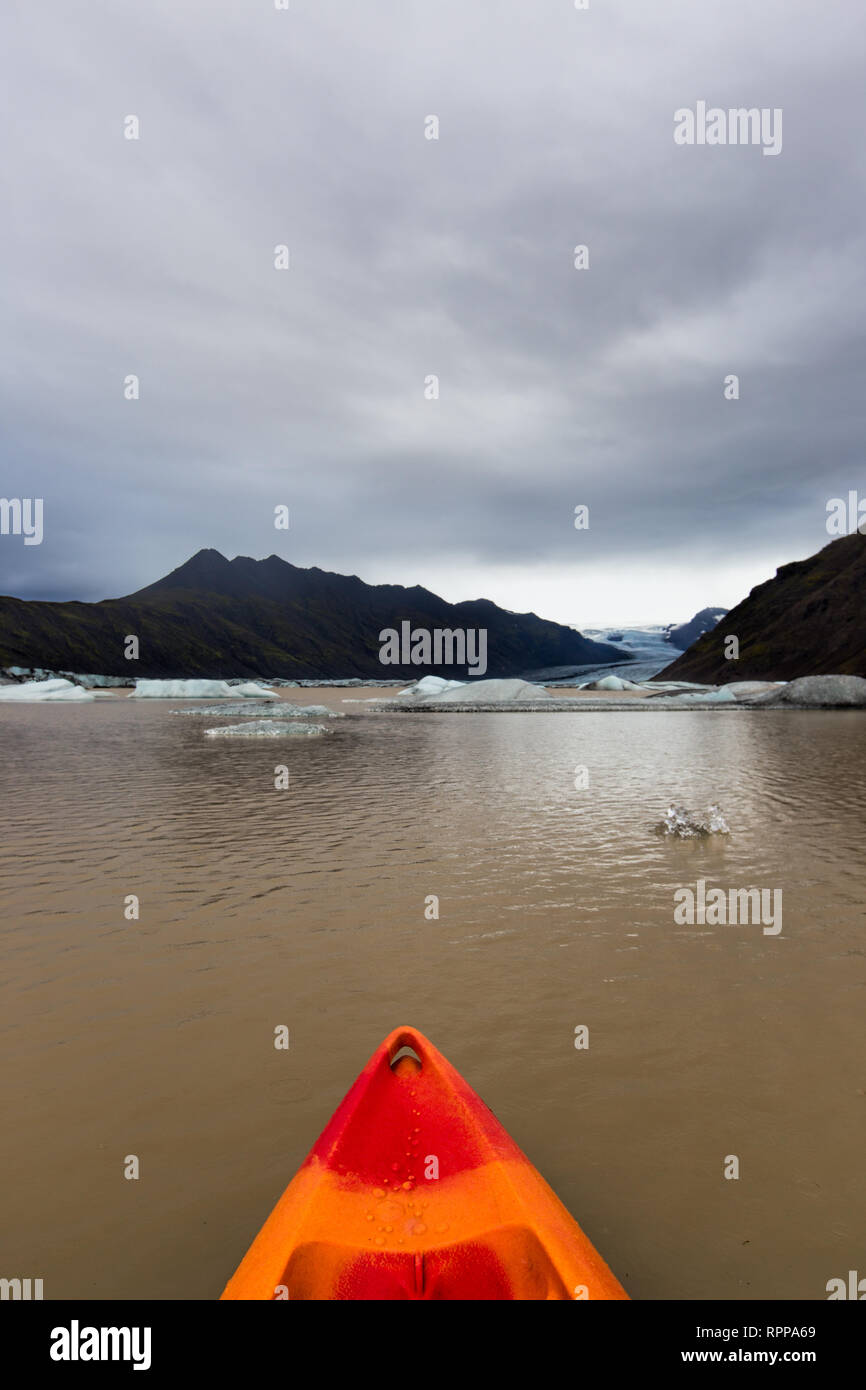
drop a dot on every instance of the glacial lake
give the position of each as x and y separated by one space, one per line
305 907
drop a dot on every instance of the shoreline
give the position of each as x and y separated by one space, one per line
378 700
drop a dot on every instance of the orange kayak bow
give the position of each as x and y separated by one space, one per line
415 1191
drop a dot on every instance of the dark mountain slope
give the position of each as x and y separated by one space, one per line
808 620
215 617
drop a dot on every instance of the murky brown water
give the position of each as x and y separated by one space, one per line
306 907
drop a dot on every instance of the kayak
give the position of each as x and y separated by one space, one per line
415 1191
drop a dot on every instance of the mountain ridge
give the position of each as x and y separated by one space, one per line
809 619
212 617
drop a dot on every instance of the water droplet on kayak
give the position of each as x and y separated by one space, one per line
395 1167
420 1228
389 1229
378 1192
407 1186
369 1216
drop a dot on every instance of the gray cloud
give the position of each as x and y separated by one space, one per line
412 257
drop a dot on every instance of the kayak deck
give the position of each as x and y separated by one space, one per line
415 1191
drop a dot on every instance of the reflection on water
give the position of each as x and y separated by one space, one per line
306 907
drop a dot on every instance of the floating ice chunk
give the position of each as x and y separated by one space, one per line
43 691
494 692
815 692
371 699
251 690
750 690
268 728
431 685
687 825
722 696
281 709
613 683
291 711
199 690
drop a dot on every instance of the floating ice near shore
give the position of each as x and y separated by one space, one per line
282 709
817 692
46 691
252 690
687 825
38 673
431 685
724 695
613 683
493 692
310 711
200 690
748 690
268 728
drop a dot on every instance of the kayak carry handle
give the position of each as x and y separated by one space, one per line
406 1046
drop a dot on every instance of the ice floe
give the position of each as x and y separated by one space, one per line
613 683
200 690
431 685
747 690
268 728
723 695
282 709
817 692
43 691
39 673
494 692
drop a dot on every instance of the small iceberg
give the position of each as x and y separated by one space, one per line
431 685
723 696
309 711
688 825
268 728
200 690
613 683
817 692
489 692
282 709
46 691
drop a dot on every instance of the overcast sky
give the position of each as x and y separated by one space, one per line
411 257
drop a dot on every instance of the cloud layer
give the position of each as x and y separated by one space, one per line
454 257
